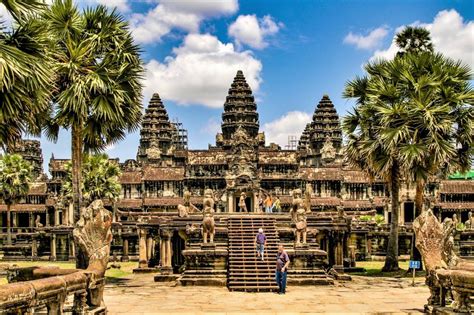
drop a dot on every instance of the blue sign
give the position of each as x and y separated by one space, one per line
414 264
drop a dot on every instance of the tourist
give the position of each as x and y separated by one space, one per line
281 269
242 204
260 203
260 243
268 204
277 205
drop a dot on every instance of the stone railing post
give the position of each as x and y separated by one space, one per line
125 250
142 259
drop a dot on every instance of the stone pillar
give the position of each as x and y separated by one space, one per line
31 220
166 251
142 258
401 217
149 247
34 248
369 191
56 216
230 202
47 218
14 219
66 215
53 248
71 214
125 250
72 249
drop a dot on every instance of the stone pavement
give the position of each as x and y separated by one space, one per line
140 295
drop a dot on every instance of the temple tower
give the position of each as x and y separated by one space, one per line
156 135
325 135
240 112
31 151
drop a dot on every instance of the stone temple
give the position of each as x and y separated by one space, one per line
171 196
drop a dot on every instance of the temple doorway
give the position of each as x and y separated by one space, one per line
409 211
177 260
248 203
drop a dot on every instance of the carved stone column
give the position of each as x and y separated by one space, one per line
149 247
47 218
15 219
53 248
34 248
166 251
142 258
125 250
66 215
230 203
72 249
56 216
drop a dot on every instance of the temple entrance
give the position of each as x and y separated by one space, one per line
248 203
409 211
177 260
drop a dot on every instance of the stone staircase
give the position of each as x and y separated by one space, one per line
246 271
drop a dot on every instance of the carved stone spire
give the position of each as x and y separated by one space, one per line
31 151
240 110
325 130
303 143
156 134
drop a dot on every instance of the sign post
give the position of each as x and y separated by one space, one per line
414 264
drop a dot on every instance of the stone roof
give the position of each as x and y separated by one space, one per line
457 187
355 176
456 205
24 208
154 173
130 203
277 157
311 173
132 177
207 157
163 201
58 165
38 188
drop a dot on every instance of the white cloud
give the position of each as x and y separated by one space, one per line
290 124
177 14
5 16
121 5
249 30
370 41
201 71
450 34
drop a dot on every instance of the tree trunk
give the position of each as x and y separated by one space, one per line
419 201
76 158
9 224
391 260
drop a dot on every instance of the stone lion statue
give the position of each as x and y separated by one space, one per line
208 224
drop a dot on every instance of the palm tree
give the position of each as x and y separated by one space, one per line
25 72
99 85
441 101
100 179
15 178
377 131
413 39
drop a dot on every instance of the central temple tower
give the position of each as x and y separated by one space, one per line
240 112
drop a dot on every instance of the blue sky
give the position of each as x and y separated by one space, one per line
292 52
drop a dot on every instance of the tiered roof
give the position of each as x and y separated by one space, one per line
303 143
156 128
240 109
325 124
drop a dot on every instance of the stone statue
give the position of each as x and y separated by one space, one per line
443 267
455 220
92 233
38 223
208 224
470 222
188 207
299 211
242 205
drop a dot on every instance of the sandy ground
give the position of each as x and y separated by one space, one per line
138 294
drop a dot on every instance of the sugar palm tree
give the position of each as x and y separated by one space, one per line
99 80
15 179
100 179
414 39
99 74
377 131
25 72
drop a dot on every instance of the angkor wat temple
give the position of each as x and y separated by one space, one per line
240 167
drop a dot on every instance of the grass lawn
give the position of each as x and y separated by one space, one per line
112 274
374 269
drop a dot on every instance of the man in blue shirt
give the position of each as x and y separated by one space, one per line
281 269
